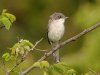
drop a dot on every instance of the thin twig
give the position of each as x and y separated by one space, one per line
61 45
40 50
36 44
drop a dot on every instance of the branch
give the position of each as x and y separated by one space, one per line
36 44
85 31
40 50
61 45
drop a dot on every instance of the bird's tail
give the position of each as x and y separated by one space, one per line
56 56
56 53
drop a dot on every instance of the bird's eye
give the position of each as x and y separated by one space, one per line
59 17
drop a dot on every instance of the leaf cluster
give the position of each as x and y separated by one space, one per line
59 68
7 19
20 48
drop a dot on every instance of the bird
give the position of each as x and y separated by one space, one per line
56 31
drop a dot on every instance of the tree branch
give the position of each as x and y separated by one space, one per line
61 45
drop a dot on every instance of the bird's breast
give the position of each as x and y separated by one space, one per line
56 31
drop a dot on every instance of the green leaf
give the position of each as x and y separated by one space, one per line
6 56
14 48
60 68
7 19
36 64
21 51
11 17
71 72
44 64
6 22
45 73
27 48
26 42
51 70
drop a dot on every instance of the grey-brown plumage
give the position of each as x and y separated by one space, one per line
56 31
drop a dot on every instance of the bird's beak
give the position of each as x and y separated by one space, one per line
66 17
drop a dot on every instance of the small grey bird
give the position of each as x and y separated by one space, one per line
56 31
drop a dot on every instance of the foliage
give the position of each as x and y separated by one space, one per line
60 68
18 52
7 19
21 47
7 56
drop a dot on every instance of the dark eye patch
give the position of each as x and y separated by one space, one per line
59 16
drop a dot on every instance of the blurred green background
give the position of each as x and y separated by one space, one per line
31 24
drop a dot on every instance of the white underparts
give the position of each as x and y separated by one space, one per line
56 30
